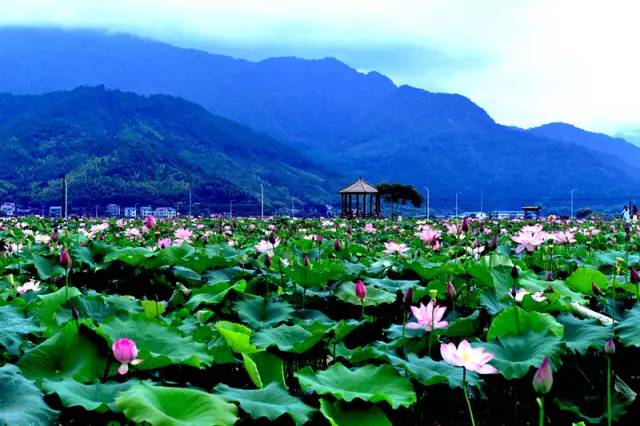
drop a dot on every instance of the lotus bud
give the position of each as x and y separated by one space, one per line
596 289
634 276
272 238
361 290
306 260
65 259
267 261
549 276
337 245
465 225
514 272
150 221
451 290
407 299
493 245
74 312
543 379
55 236
610 347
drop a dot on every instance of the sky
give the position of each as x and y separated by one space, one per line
526 62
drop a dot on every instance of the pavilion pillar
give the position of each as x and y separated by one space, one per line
357 205
350 203
364 205
378 204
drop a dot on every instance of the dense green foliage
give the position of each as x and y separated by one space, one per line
266 321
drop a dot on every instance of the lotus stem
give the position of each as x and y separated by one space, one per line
540 401
609 416
466 396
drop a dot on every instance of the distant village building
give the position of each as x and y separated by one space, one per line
165 212
113 210
130 212
8 209
55 211
146 211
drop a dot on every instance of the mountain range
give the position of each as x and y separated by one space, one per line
326 123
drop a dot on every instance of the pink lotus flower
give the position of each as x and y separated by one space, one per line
361 290
452 228
473 359
165 242
369 228
538 296
150 221
529 238
428 317
126 352
564 237
392 247
267 247
182 235
31 285
430 237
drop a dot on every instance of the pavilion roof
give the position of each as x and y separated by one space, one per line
359 187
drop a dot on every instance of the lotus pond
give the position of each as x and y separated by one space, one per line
292 321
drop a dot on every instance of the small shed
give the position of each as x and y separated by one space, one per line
531 209
359 199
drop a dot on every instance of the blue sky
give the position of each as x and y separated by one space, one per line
527 62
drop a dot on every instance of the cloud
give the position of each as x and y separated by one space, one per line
525 61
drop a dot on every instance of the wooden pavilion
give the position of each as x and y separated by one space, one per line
351 196
531 209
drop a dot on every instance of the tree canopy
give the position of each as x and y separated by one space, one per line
398 193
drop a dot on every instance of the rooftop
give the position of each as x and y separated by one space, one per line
359 187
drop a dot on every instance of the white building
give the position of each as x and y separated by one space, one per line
165 212
130 212
8 209
113 210
146 211
55 211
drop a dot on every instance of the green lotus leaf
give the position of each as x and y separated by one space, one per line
158 345
47 267
166 406
45 307
99 397
580 335
21 402
264 368
291 338
515 355
429 372
258 312
212 294
237 336
152 308
392 286
375 296
462 327
515 321
99 307
628 329
337 415
581 280
271 402
14 327
368 383
67 354
132 256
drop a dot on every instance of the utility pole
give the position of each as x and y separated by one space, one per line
64 196
189 200
293 211
481 200
571 216
261 201
428 206
457 193
97 205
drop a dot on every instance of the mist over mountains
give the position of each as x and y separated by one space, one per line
309 125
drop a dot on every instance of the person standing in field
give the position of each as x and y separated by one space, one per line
625 215
634 214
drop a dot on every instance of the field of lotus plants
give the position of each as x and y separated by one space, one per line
292 321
